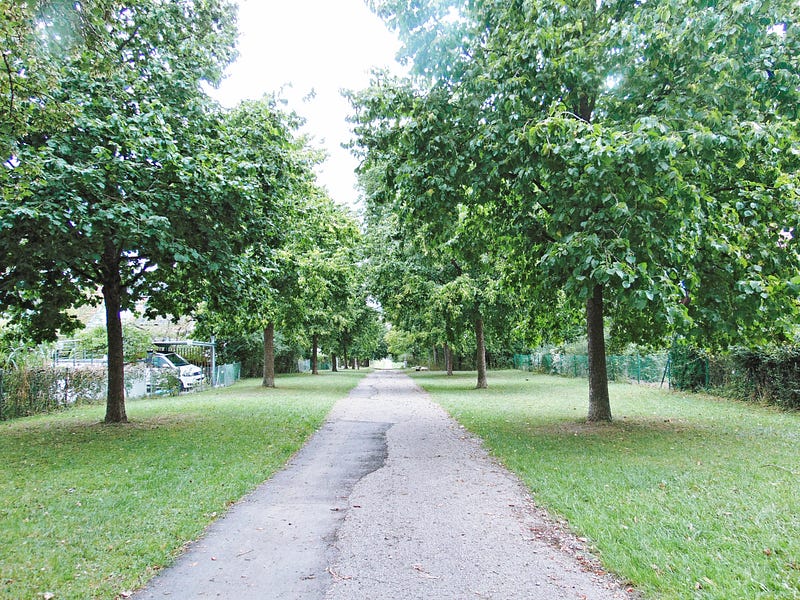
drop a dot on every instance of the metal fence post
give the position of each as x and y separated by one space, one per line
213 362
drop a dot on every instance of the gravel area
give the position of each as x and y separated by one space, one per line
390 499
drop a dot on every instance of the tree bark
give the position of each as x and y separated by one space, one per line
315 344
334 366
480 358
599 402
269 356
448 359
112 296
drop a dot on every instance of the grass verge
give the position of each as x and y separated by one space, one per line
685 496
93 511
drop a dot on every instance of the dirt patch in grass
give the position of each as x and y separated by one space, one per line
623 425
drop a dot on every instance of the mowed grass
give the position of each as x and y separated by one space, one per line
93 511
685 496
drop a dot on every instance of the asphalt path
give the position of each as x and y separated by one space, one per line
391 499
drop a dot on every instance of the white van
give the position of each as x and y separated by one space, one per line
189 375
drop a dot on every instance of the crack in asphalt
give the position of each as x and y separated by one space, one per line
390 499
279 541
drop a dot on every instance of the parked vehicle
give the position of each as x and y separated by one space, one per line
189 375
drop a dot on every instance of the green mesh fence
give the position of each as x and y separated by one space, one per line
228 374
637 368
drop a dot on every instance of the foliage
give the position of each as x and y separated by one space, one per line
769 375
135 341
688 366
641 158
685 497
401 344
180 465
28 391
151 190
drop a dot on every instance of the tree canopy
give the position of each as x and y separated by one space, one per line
142 185
641 158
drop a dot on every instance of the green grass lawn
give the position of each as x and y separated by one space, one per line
685 496
93 511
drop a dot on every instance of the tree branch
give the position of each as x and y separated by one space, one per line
125 43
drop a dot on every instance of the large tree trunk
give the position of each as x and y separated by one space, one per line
448 359
599 403
269 356
315 344
112 293
480 358
334 366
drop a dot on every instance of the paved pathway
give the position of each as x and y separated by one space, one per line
390 499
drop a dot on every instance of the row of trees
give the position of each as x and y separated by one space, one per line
632 164
122 180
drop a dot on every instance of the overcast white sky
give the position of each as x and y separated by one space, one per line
320 45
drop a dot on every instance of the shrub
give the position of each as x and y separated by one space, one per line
769 375
29 391
688 367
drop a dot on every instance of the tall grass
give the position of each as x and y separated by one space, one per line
686 496
93 511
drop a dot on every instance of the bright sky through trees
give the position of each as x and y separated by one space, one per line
311 45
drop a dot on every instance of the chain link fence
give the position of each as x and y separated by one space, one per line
636 368
770 376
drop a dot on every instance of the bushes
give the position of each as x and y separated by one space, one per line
25 392
765 375
135 342
688 367
769 375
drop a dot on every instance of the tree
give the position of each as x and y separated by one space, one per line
639 154
415 167
325 261
436 278
273 169
130 184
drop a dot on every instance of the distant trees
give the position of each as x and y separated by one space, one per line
638 158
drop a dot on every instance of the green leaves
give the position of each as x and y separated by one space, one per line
650 149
